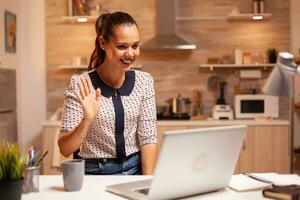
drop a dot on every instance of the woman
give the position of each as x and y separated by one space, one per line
109 112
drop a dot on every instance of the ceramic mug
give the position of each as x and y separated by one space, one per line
73 173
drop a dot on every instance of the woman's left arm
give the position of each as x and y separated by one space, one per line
148 156
147 133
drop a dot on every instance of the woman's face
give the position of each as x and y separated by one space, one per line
123 47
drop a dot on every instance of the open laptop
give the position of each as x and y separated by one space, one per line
190 162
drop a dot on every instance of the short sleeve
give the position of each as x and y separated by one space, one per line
72 110
147 132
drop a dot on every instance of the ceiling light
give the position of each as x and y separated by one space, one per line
257 17
81 19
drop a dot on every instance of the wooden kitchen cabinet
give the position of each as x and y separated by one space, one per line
265 148
51 163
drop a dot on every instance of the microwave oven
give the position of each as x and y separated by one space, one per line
252 106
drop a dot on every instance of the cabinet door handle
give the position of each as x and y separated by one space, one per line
244 145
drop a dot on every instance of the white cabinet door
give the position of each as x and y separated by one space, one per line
8 126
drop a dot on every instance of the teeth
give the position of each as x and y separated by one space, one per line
126 61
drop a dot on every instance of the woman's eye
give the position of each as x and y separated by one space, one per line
121 47
135 46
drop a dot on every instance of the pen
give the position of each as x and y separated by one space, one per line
42 158
33 156
30 156
257 178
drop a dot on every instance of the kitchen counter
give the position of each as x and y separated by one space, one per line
209 122
275 138
54 121
212 122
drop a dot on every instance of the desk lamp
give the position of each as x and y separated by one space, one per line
281 80
281 83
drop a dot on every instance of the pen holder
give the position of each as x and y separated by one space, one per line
31 179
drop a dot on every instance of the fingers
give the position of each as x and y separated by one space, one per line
90 85
86 88
98 94
81 88
85 85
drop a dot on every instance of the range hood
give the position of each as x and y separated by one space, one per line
166 38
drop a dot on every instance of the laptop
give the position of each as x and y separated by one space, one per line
190 162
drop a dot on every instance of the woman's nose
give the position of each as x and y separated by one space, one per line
129 53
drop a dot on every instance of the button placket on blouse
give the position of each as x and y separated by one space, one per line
119 125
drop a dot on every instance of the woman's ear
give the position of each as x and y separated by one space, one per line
101 42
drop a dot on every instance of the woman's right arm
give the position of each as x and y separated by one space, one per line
70 141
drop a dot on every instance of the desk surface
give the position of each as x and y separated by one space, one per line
51 188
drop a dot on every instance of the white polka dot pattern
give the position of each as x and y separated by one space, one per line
140 119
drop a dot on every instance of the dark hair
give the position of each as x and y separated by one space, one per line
105 25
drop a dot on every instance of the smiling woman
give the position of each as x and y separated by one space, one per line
109 112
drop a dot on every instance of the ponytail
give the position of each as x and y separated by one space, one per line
98 54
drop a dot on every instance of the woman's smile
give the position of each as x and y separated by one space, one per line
127 62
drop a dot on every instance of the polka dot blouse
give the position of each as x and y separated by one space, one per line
139 111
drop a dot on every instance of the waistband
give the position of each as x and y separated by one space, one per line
105 160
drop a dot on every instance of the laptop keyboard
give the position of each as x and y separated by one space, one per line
143 191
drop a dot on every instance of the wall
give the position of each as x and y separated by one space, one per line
174 71
295 28
29 62
295 46
32 73
9 60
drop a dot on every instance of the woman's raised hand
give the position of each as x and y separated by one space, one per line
90 102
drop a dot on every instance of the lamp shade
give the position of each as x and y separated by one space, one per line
281 80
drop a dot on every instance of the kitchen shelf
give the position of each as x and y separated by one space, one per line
249 17
234 66
188 18
85 67
231 17
89 19
79 19
80 67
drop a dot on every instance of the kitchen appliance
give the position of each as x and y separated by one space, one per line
221 99
222 112
179 108
252 106
8 116
180 105
166 37
160 111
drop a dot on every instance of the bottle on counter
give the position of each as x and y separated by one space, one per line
238 56
255 6
197 109
236 82
262 6
246 58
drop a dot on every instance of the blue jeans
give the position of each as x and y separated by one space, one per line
132 166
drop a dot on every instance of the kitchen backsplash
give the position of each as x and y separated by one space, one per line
174 71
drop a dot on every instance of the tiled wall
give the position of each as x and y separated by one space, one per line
174 71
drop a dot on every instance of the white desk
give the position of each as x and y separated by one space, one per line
51 188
